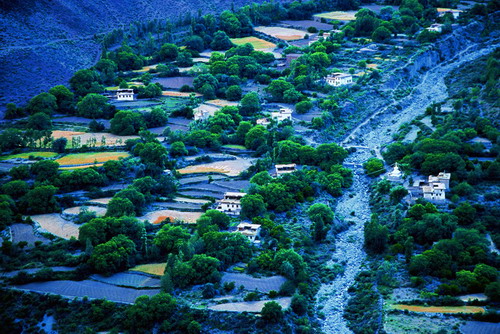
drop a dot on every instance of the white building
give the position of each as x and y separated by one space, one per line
442 177
436 27
125 95
263 121
251 231
203 115
231 203
283 114
338 79
434 192
285 169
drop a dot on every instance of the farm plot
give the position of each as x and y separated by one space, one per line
190 200
157 216
97 138
79 120
179 206
222 103
90 158
228 167
56 225
264 284
252 307
151 268
146 68
285 34
337 15
90 289
25 232
28 155
415 323
74 211
209 188
126 279
439 309
257 43
201 194
233 185
100 201
179 94
136 104
174 82
304 24
199 179
476 327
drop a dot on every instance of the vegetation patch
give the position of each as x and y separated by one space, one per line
338 15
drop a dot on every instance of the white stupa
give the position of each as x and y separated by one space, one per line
395 174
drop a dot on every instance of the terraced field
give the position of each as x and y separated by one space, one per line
264 284
151 268
56 225
127 279
252 307
24 232
257 43
90 158
90 289
27 155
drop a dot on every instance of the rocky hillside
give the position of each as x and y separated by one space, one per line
44 41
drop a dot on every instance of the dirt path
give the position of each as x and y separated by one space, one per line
369 137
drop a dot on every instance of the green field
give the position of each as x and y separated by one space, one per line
339 16
90 158
27 155
235 147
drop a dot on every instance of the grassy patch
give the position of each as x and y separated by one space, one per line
91 157
236 147
257 43
338 15
151 268
27 155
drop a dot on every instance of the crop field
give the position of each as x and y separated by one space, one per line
418 323
439 309
179 206
476 327
233 185
252 307
85 138
474 296
79 120
228 167
90 158
209 188
90 289
222 103
264 284
56 225
304 24
257 43
235 147
156 217
146 68
24 232
128 280
201 194
74 211
199 179
27 155
285 34
338 15
151 268
174 82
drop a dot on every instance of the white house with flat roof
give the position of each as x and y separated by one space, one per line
203 115
282 114
231 203
285 169
251 231
125 95
338 79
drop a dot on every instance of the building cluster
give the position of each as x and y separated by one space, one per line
279 116
434 189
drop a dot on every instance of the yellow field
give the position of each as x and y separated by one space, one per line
178 94
256 42
111 139
440 309
338 15
146 68
151 268
26 155
90 158
286 34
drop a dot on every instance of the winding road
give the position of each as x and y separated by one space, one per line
370 136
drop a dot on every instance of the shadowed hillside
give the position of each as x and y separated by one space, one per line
44 41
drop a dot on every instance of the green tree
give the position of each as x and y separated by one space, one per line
272 312
42 103
94 106
261 178
39 121
398 193
256 137
376 237
59 145
45 170
299 304
465 213
250 104
184 59
319 212
303 106
16 188
178 149
252 206
112 256
168 52
84 82
64 98
233 93
218 218
381 34
126 123
41 200
277 89
374 167
119 207
170 238
221 41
